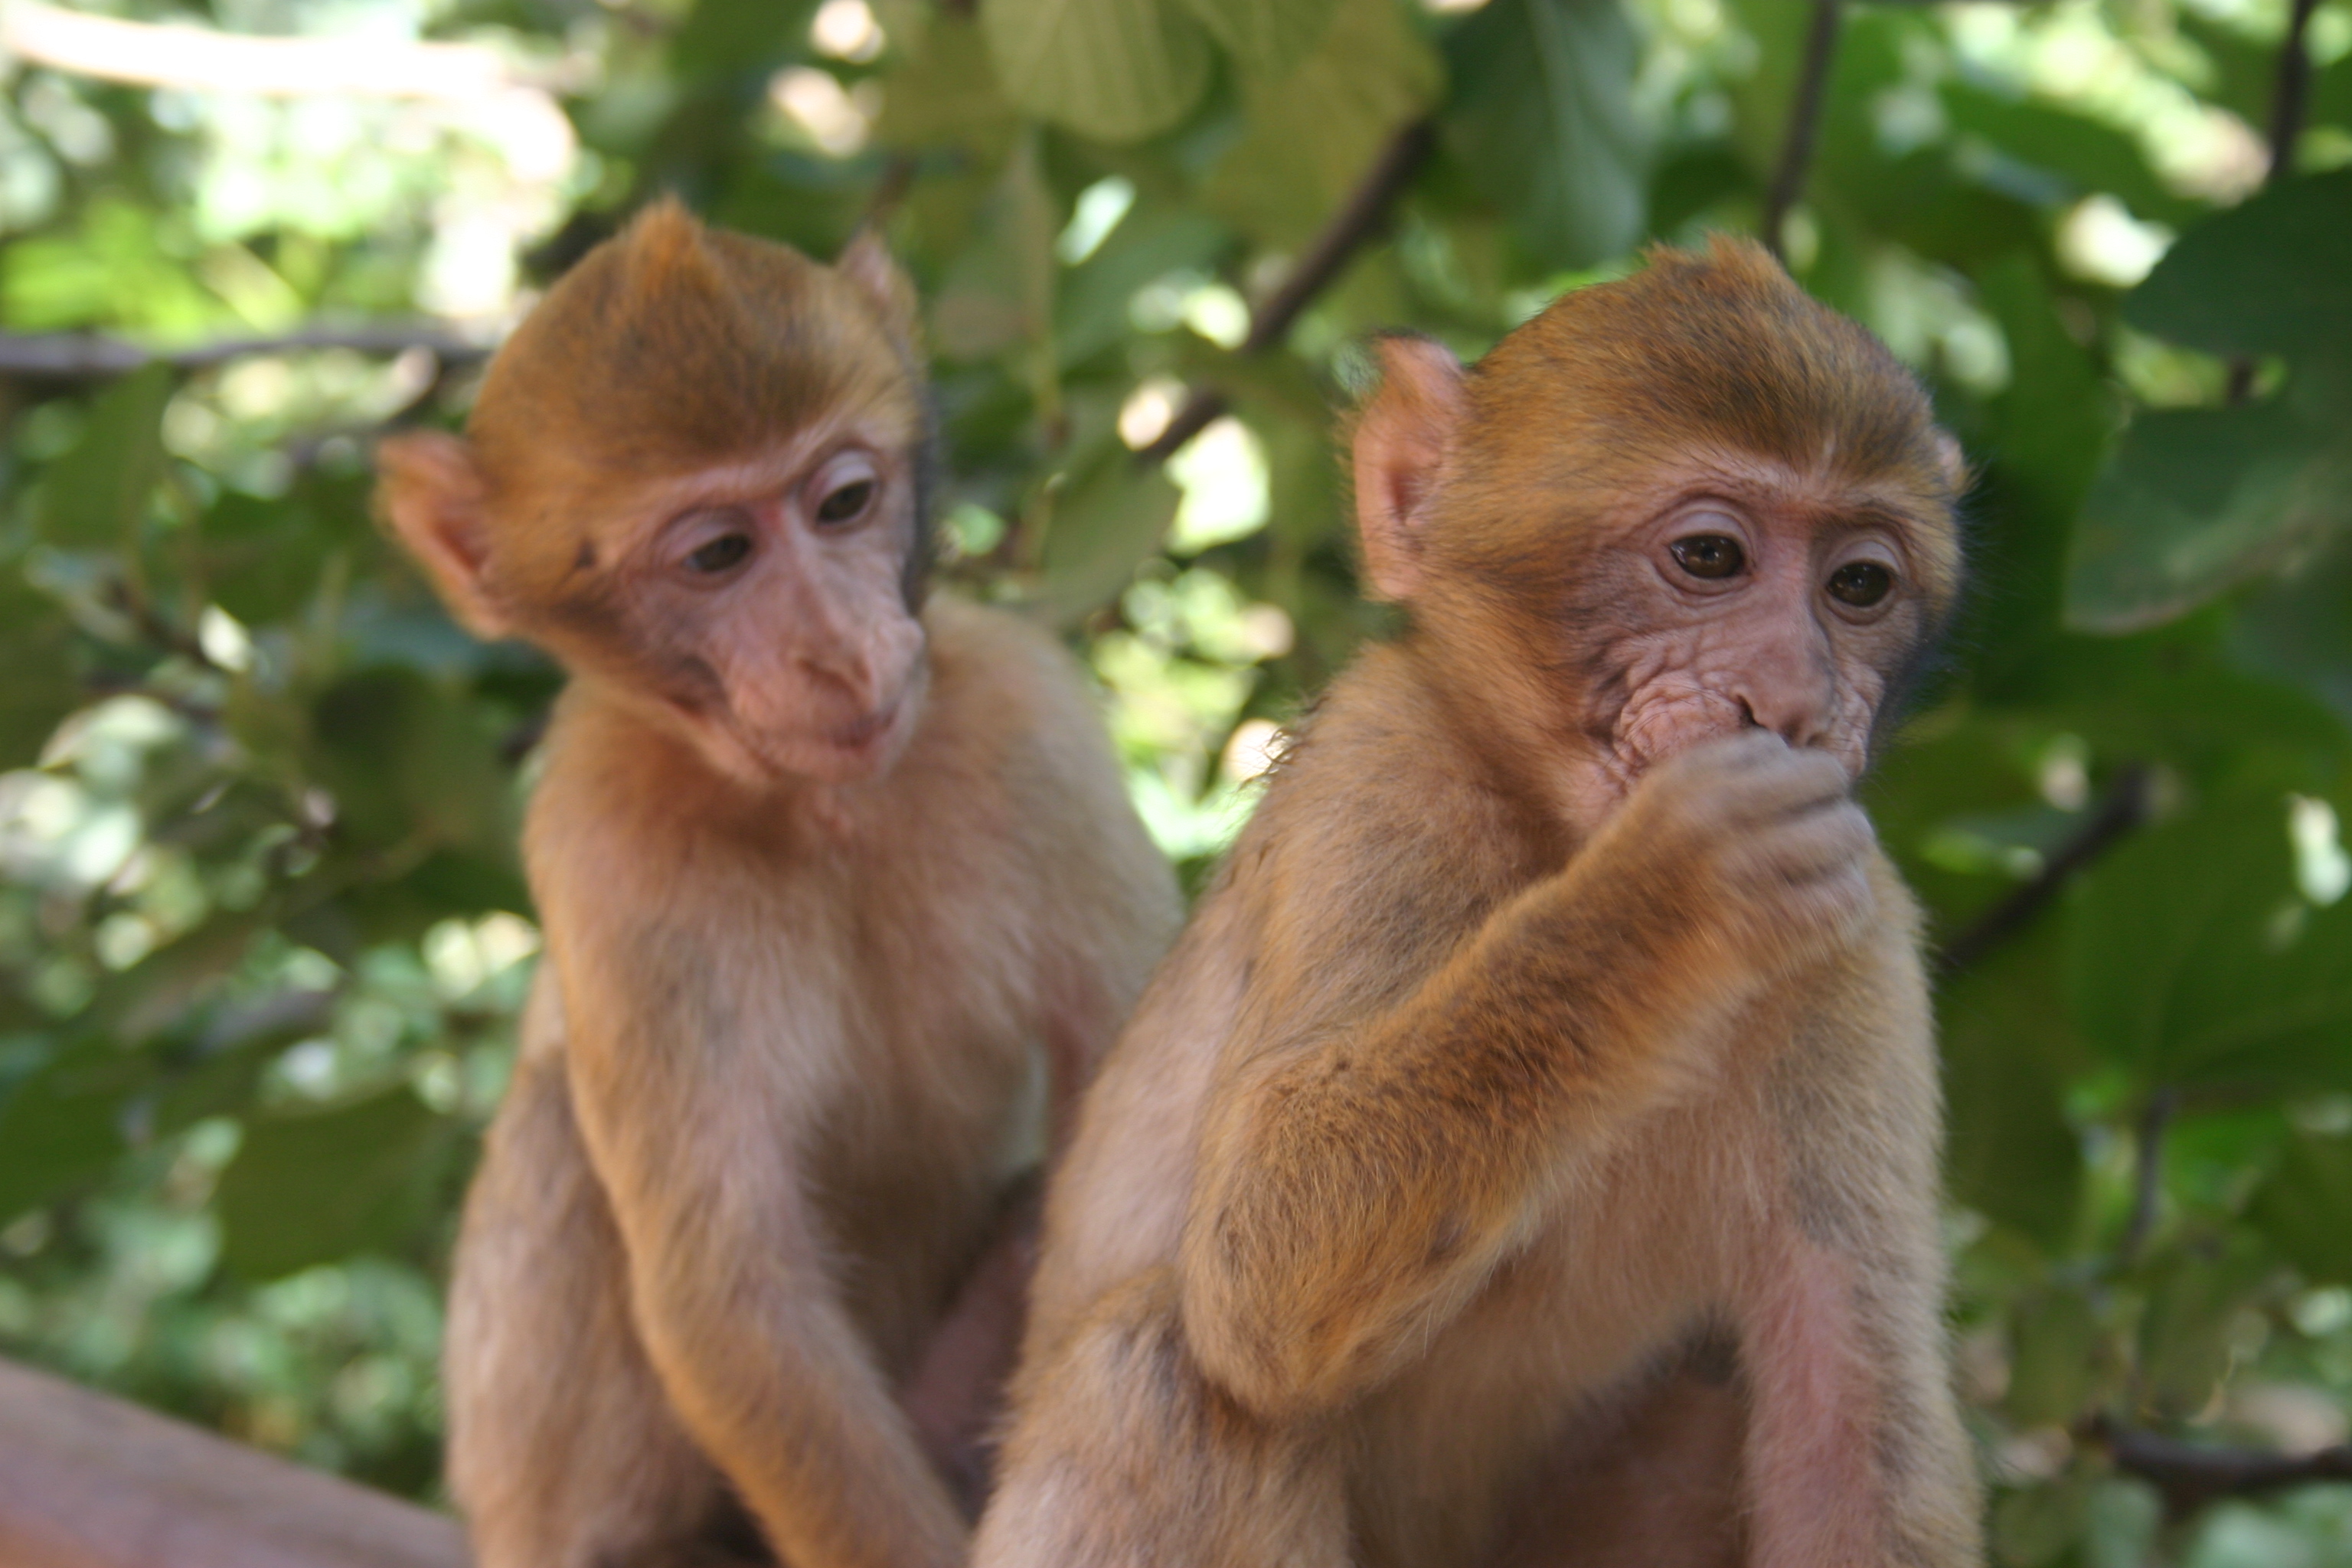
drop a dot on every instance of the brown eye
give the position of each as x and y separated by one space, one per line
727 550
1709 555
1861 584
845 502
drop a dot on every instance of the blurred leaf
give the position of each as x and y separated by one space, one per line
2086 154
1106 522
2053 1366
1091 309
2196 500
2305 1207
1117 70
1316 129
723 38
41 687
406 760
1267 38
999 296
96 492
945 94
2184 1342
2007 1057
2196 962
61 1126
1542 117
2271 276
313 1188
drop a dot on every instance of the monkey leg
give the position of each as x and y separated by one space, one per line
958 1388
1127 1456
1654 1484
1855 1457
563 1450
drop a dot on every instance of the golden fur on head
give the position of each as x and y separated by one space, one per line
674 347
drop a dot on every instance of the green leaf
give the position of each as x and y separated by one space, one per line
2305 1208
97 491
2054 1362
2196 961
2087 155
1267 38
2197 500
2007 1053
2272 276
1542 117
316 1187
1106 522
1117 70
42 685
1315 132
409 761
945 94
1091 309
61 1127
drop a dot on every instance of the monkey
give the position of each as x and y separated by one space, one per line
843 897
1529 1153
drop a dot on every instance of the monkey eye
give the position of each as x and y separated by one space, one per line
726 551
1861 584
1709 555
845 502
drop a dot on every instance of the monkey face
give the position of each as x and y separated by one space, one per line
1746 595
761 608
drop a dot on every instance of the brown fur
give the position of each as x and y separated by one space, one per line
1528 1154
843 896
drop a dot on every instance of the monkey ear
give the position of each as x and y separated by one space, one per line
866 261
1401 441
1952 460
429 490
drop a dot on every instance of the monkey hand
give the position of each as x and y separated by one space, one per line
1754 847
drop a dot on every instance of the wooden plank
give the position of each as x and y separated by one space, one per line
87 1481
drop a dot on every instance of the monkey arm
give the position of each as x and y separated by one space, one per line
728 1280
1358 1185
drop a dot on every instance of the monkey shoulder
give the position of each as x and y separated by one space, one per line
1379 844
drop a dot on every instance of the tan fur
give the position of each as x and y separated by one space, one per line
732 1280
1500 1169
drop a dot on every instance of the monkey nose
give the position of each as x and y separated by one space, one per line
1799 722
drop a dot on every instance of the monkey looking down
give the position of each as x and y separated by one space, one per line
1528 1154
823 860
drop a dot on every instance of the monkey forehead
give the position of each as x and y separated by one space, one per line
1696 350
675 349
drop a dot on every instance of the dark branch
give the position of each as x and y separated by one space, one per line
1805 123
2148 1182
2125 809
2290 102
1358 219
83 356
2189 1477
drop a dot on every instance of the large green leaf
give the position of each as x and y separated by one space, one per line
1542 117
2305 1207
1266 37
97 491
2196 963
1117 70
1314 131
2274 275
313 1188
2197 500
41 687
2085 155
1105 523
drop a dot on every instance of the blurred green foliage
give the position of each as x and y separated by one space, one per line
262 934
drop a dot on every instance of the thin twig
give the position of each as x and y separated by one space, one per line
2290 101
2189 1476
1358 219
84 356
1804 124
2147 1174
2125 809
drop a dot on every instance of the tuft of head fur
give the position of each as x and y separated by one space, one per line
672 348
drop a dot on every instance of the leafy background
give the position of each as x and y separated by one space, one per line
262 936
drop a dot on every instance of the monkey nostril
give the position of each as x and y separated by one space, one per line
1748 719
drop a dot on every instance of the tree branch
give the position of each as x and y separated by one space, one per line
2189 1476
2290 101
86 356
1804 124
2125 809
1358 219
2147 1174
